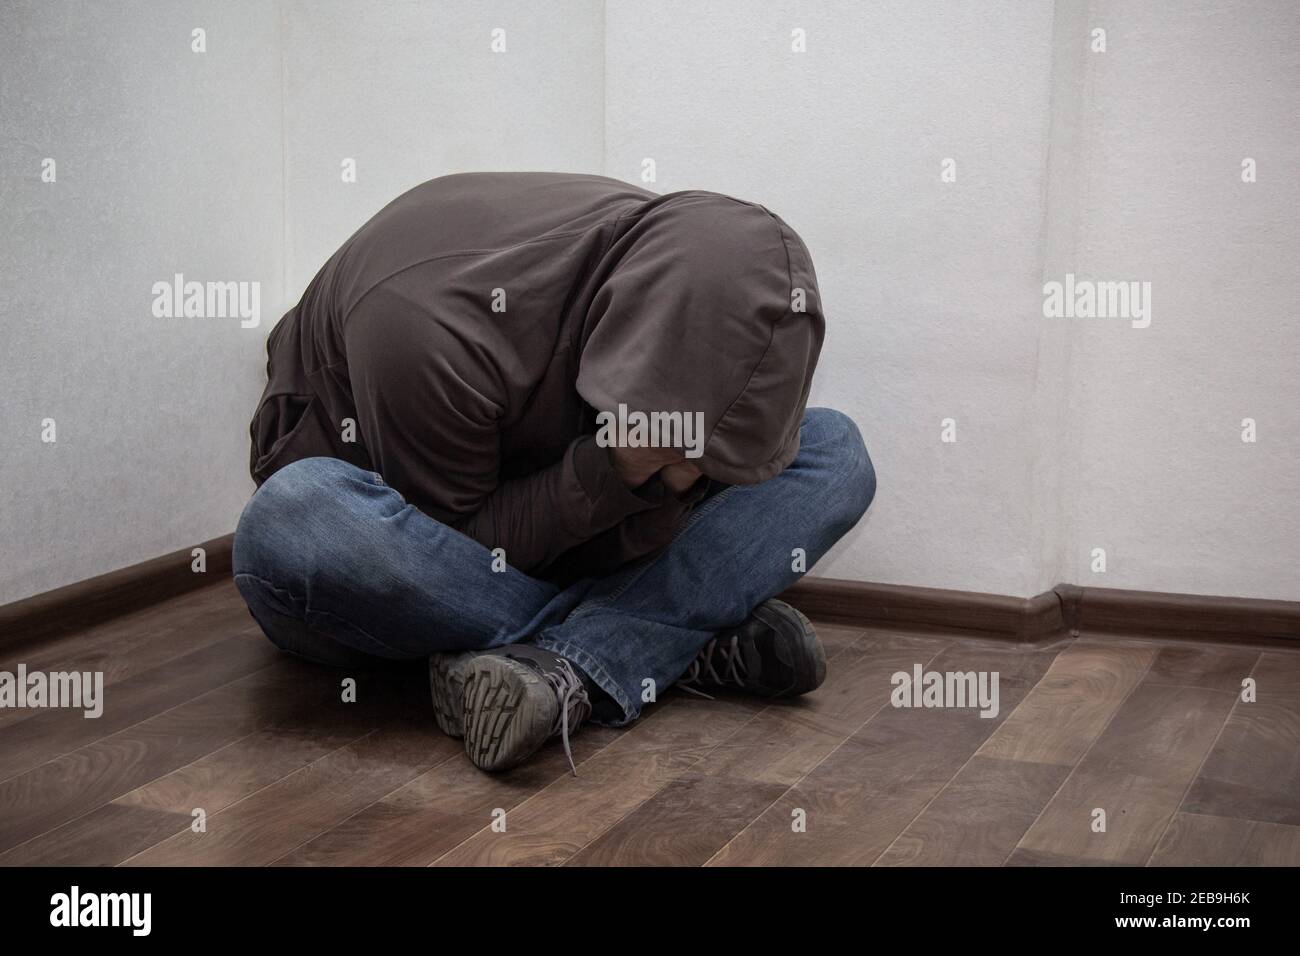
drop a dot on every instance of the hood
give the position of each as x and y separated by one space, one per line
708 305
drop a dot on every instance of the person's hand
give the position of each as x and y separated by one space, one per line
636 466
679 477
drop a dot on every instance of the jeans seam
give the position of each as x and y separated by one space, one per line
702 510
293 600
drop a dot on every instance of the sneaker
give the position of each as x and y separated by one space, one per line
511 701
774 653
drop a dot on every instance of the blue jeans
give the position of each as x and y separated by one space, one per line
336 567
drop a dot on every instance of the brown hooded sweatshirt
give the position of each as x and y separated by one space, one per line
475 326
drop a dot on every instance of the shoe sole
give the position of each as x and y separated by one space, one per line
507 710
446 684
808 657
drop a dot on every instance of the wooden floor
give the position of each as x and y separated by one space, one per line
201 713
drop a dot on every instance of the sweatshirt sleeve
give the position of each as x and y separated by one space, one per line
538 517
637 535
428 414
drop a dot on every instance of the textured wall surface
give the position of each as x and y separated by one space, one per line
167 161
1156 471
931 289
1072 435
225 166
410 91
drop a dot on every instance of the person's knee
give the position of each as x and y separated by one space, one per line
836 443
277 522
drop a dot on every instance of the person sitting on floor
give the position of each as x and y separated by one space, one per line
550 432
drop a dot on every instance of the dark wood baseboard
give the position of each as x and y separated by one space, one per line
1062 612
110 595
897 606
1191 616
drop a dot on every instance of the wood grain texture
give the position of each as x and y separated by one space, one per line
78 782
441 808
982 815
138 641
1066 711
1137 772
1187 616
871 787
104 836
266 825
47 734
692 817
979 817
302 717
283 691
835 637
1221 668
1195 839
553 825
202 712
1254 770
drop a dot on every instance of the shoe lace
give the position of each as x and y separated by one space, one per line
704 669
575 705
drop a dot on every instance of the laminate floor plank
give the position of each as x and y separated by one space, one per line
855 802
202 713
303 718
104 836
1214 668
78 782
1067 710
442 808
450 803
1254 770
691 818
836 638
979 817
138 641
1136 773
275 820
1195 839
556 823
47 734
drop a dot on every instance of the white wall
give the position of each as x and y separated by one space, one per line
224 166
930 289
167 161
1072 434
1156 471
414 90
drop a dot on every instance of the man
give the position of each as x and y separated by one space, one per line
549 432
